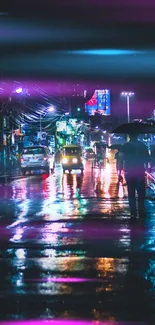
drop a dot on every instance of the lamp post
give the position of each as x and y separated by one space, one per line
127 95
40 123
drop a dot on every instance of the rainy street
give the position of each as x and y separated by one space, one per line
77 162
70 251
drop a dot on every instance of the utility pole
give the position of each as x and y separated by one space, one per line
128 108
40 124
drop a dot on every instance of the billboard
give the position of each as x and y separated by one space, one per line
61 126
99 103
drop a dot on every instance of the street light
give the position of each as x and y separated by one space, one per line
50 109
127 95
19 90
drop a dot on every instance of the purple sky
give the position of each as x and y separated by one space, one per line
27 48
141 105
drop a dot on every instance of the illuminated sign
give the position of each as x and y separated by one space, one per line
61 126
73 122
99 103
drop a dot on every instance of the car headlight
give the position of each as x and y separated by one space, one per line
74 160
64 160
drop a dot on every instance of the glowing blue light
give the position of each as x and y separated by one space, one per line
105 52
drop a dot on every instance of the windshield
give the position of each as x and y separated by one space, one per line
72 151
89 150
33 151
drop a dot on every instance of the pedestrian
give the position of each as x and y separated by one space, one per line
135 158
100 156
119 165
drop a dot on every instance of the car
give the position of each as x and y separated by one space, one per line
89 154
72 158
37 158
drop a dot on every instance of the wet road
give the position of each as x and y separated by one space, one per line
69 250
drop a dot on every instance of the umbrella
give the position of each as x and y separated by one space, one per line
115 146
135 128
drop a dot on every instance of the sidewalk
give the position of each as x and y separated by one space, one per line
9 169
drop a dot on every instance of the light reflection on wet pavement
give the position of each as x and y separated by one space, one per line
69 250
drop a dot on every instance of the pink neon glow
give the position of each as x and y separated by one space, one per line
67 322
87 231
65 280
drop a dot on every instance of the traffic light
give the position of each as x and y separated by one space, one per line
61 141
78 109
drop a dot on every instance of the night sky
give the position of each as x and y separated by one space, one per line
90 42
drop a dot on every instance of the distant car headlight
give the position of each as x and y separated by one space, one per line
64 160
74 160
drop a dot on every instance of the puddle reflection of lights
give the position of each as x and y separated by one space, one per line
48 204
65 186
126 236
19 190
63 264
70 185
74 183
45 187
14 192
48 209
54 211
66 322
55 227
76 203
107 266
50 232
18 235
21 253
125 240
66 280
127 230
49 238
24 206
50 252
107 175
121 192
19 281
16 223
150 241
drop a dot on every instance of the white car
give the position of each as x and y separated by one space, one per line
37 158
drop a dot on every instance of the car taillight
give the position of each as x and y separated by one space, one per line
45 158
22 159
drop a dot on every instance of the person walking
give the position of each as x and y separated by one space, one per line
119 165
135 158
